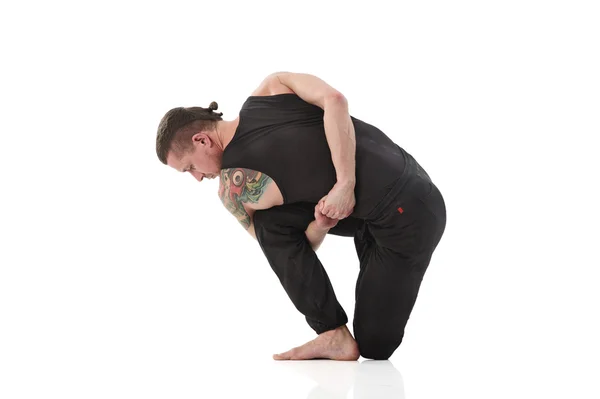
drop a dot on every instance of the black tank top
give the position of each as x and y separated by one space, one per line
283 136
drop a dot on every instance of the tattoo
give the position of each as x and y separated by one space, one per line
239 186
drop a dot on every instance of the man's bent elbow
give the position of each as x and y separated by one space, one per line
336 98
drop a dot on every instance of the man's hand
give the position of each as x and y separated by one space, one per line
339 202
318 228
323 222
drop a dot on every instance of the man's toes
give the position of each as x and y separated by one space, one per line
283 356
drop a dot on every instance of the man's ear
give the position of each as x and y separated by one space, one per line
200 138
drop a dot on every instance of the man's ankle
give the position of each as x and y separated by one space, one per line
337 330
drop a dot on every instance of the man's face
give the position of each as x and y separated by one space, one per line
202 161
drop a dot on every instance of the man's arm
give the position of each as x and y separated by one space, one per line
239 187
315 235
339 129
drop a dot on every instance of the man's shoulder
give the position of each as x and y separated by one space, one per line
271 86
248 188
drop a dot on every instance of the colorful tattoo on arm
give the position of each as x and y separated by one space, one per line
241 186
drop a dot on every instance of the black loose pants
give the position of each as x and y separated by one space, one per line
394 245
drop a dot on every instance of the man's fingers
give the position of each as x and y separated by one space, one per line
330 212
322 201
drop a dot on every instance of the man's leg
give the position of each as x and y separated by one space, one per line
394 253
385 295
280 233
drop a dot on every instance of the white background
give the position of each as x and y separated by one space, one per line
121 278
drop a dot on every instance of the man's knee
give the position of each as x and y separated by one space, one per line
377 346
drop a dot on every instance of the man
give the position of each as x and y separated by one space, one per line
294 166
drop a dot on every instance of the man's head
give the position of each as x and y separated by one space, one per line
186 141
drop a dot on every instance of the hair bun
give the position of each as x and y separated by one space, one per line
213 106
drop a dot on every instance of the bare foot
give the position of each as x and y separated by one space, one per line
335 344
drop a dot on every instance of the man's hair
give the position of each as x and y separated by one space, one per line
177 127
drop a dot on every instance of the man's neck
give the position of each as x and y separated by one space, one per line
225 132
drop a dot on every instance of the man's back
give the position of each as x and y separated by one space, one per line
283 137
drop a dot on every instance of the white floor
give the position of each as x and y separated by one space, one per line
330 379
134 365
